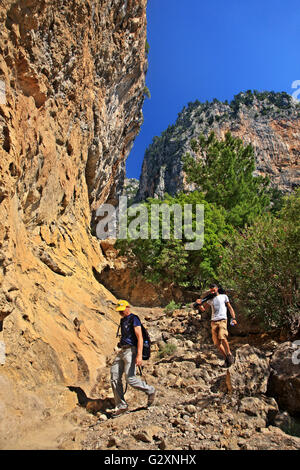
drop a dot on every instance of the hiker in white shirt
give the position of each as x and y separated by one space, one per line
219 304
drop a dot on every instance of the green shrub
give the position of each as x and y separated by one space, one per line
262 265
147 92
169 309
167 260
167 350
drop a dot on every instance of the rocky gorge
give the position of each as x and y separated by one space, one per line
74 76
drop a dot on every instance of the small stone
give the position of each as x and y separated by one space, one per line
103 417
191 409
143 436
111 442
162 444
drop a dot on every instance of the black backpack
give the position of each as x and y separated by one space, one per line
146 343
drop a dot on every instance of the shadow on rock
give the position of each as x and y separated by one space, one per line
92 405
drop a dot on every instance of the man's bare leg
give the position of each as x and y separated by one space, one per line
225 345
221 349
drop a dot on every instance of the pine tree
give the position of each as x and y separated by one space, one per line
224 172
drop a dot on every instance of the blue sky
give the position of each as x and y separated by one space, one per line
204 50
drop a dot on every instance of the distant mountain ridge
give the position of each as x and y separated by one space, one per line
268 120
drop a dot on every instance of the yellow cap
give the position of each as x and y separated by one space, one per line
122 304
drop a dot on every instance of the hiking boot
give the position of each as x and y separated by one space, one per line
230 360
226 363
151 398
119 411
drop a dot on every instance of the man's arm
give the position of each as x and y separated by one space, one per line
232 313
202 307
140 340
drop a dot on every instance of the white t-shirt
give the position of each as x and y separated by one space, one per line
218 307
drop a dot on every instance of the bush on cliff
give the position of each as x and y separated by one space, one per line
262 265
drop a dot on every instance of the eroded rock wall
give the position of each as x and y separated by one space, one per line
74 74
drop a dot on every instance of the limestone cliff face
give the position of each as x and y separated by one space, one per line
269 121
74 74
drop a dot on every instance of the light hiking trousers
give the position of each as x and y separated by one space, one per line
125 363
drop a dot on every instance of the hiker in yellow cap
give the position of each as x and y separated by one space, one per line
129 356
122 304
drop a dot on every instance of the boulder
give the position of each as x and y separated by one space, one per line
264 407
250 372
284 382
155 335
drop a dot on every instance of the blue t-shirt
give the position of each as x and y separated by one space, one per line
128 335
